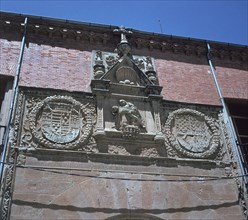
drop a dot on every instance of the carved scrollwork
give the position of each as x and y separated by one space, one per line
191 134
60 122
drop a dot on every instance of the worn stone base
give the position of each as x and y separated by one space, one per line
53 186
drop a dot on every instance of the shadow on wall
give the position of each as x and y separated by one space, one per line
133 216
122 210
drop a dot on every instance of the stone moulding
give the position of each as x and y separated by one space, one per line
97 34
191 134
60 122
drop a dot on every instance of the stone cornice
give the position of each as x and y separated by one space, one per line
103 34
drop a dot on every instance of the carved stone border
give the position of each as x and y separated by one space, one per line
7 185
34 114
214 143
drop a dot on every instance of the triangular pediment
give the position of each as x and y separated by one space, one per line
125 71
122 72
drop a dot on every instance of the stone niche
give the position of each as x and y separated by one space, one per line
128 98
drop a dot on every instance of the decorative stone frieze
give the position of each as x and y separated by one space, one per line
234 169
15 129
191 134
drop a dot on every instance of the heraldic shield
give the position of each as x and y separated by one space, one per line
192 133
60 122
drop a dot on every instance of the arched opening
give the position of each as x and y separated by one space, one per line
133 216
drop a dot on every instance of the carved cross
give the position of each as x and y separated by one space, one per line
123 33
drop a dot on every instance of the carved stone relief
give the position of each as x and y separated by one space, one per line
137 148
131 94
129 106
7 185
58 122
191 134
128 119
125 73
15 129
99 68
234 169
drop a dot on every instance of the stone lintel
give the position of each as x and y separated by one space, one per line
78 156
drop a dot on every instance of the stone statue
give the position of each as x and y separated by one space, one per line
127 116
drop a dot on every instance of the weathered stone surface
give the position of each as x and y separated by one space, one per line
63 194
79 190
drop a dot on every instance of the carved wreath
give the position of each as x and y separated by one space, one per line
192 134
61 122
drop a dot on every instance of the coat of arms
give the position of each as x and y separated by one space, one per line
192 134
60 122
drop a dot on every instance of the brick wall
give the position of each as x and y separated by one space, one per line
66 66
9 52
233 82
186 82
45 66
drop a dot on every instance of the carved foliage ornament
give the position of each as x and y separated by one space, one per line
192 134
104 61
60 122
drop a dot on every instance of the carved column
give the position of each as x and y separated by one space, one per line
100 116
155 100
100 88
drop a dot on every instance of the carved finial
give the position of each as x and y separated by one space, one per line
123 33
123 48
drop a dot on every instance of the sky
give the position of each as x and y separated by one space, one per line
215 20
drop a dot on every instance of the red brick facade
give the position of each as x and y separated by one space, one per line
45 66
